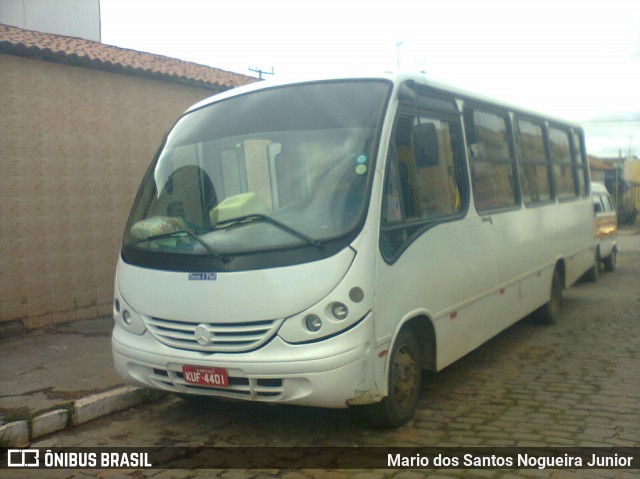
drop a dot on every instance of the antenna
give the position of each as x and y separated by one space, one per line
261 72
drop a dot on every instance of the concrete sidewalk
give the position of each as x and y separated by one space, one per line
58 377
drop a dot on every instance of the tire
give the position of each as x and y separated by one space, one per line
610 261
593 274
405 383
550 312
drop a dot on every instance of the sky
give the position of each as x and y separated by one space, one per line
578 60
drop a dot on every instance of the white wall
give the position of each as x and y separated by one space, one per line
75 18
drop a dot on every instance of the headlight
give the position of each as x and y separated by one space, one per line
313 323
126 316
339 310
331 316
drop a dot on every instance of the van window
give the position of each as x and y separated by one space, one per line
608 205
598 206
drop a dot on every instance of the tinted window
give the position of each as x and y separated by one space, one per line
425 179
582 166
492 166
562 164
534 167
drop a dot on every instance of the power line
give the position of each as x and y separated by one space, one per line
616 120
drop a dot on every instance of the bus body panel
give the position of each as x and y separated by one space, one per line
476 276
231 297
333 375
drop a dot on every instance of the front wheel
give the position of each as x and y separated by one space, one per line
405 383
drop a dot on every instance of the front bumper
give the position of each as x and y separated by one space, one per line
330 373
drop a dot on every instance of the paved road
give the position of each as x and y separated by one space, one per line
575 383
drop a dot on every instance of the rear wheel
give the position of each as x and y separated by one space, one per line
550 312
593 274
610 261
405 383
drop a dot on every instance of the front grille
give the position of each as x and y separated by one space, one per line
240 387
213 337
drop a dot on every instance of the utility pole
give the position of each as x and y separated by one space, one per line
398 45
261 72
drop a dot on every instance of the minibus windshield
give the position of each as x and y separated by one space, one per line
272 169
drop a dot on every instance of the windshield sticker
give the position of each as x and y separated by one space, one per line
203 276
361 159
361 169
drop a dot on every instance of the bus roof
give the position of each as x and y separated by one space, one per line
397 78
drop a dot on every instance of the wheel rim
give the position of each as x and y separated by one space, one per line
405 373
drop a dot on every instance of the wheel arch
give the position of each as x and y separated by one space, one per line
560 267
422 328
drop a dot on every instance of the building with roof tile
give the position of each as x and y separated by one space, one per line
80 123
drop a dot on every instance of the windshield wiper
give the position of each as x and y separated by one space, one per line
188 233
268 219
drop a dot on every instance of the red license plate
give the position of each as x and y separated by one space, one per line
211 377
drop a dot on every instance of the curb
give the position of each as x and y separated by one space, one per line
21 433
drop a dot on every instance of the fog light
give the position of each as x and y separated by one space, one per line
339 310
126 317
313 323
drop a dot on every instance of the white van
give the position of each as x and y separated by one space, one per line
606 226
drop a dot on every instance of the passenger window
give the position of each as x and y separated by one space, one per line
608 205
581 164
561 163
492 165
438 188
534 171
598 206
425 178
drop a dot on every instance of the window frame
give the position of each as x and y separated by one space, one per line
542 124
569 133
581 166
414 227
506 115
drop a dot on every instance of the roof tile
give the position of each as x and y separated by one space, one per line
63 49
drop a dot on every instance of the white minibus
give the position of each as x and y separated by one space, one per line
324 242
